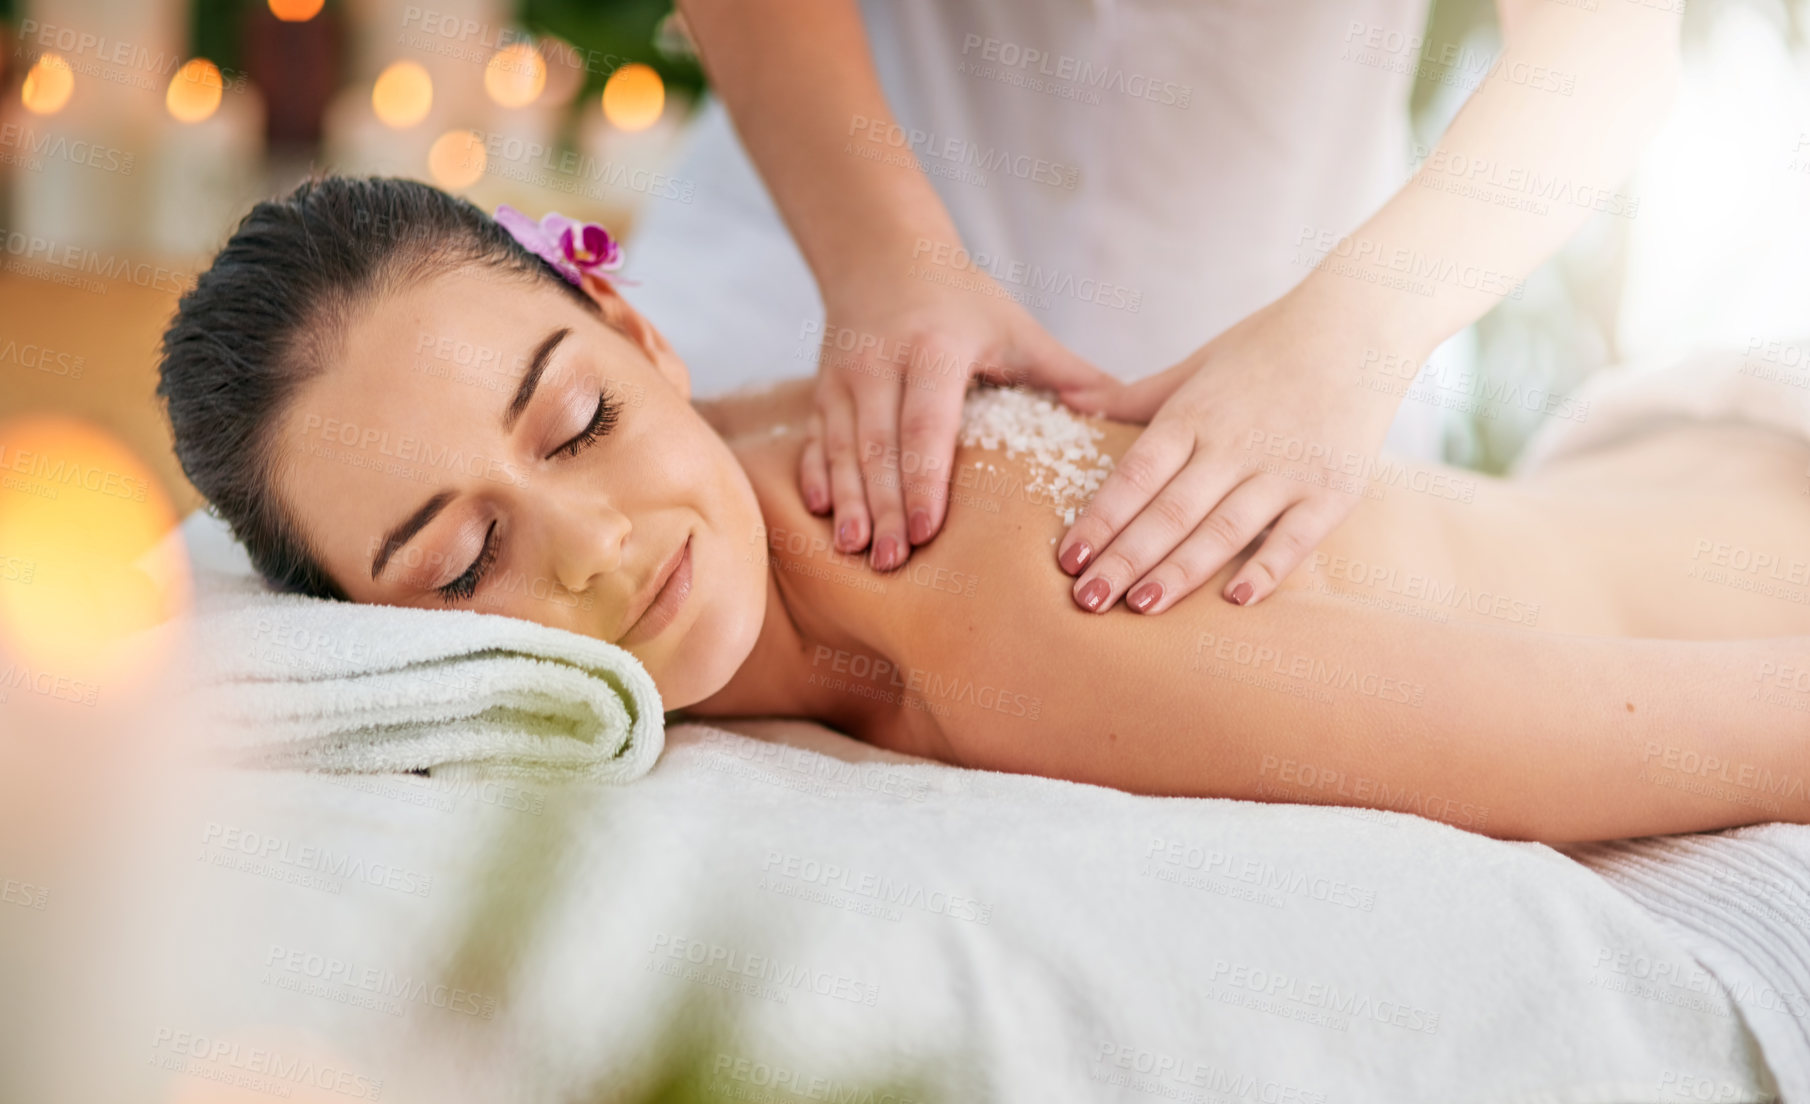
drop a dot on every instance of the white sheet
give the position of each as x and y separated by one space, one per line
1049 940
857 915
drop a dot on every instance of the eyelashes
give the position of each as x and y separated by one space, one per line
600 425
602 421
467 584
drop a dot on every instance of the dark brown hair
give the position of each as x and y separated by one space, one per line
269 311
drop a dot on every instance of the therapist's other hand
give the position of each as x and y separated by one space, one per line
892 372
1258 429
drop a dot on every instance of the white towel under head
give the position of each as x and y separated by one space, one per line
288 681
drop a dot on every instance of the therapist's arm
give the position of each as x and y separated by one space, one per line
1264 426
798 81
1573 98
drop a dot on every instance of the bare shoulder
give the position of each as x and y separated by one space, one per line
990 624
986 642
1006 511
998 534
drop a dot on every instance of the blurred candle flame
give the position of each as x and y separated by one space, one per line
84 560
296 11
456 159
515 75
634 97
48 85
195 91
403 94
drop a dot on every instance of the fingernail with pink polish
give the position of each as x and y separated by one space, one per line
886 553
813 500
1242 593
920 525
1094 593
1075 557
1144 597
846 534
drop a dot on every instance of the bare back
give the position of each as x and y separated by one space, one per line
1657 538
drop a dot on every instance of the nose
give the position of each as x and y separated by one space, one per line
587 544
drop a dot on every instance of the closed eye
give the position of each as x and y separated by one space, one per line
600 425
467 584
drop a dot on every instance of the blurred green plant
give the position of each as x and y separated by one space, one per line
620 28
214 30
698 1053
694 1065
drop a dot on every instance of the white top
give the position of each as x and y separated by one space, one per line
1140 174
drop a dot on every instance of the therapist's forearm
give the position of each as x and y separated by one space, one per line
799 82
1560 118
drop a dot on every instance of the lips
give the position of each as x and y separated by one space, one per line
653 611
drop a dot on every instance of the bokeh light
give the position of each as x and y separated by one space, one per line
296 11
83 523
565 70
48 85
403 94
456 159
195 91
634 97
516 74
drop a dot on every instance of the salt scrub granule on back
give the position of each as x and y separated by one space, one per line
1065 464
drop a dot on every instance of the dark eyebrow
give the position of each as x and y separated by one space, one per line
402 534
531 379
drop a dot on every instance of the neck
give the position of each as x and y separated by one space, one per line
776 680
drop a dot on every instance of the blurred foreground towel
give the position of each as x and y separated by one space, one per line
307 683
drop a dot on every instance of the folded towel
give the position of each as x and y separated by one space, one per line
1740 902
286 681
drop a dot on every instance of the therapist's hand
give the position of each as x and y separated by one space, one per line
1260 428
892 372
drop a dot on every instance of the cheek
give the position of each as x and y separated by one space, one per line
684 463
736 507
727 631
724 498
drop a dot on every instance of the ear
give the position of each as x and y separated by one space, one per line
634 325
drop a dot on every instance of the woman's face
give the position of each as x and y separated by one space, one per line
480 442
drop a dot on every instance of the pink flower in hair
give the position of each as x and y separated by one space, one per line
573 247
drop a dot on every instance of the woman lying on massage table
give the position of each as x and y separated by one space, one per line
392 400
